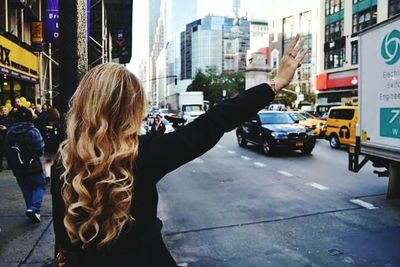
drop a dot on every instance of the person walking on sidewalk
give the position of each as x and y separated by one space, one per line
25 146
4 124
103 181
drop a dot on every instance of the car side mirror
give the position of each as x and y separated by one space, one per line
296 121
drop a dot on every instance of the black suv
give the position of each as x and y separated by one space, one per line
275 130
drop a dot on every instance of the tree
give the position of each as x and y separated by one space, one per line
213 84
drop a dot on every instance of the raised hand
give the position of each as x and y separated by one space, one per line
291 60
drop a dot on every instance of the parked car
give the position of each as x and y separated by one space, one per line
275 130
341 126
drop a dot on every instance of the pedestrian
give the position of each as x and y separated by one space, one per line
157 126
17 104
40 121
104 177
45 107
24 148
53 129
4 124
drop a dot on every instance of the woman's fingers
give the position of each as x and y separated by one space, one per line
292 44
302 55
297 48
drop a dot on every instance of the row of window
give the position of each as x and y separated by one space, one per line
334 30
365 18
333 6
335 58
394 7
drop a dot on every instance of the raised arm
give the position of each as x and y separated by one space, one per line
168 152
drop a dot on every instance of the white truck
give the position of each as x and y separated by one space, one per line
186 105
379 99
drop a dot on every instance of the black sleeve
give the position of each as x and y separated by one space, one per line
58 208
165 153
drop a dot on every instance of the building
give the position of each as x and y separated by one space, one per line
214 42
337 79
165 39
282 30
154 15
19 60
259 37
29 43
158 46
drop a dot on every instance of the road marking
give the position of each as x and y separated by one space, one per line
219 146
245 158
231 152
259 164
363 204
318 186
197 160
288 174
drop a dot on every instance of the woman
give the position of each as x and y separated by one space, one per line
104 182
158 126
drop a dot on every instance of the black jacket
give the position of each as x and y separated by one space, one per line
142 244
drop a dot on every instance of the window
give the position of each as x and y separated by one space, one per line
341 114
354 52
334 31
394 7
333 6
334 58
363 19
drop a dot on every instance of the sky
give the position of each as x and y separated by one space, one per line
256 9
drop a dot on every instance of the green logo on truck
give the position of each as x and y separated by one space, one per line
390 49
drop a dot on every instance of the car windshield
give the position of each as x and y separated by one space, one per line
297 116
192 108
306 115
276 118
163 111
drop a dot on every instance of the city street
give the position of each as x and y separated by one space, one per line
234 206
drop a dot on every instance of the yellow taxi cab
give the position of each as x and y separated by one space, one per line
341 126
307 120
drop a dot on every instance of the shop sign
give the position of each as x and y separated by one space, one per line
53 17
18 62
37 35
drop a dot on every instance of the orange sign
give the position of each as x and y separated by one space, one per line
37 33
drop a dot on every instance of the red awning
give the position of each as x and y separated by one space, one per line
324 83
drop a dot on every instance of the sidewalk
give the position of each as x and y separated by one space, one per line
23 243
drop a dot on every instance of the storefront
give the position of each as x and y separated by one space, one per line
336 89
19 72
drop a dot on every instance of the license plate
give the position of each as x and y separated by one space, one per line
299 144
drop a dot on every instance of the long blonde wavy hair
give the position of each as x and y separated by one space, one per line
99 153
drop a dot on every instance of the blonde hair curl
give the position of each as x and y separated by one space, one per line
99 153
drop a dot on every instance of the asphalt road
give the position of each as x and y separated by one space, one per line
234 206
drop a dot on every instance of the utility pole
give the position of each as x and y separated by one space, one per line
73 48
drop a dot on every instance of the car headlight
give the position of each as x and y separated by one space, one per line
277 135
